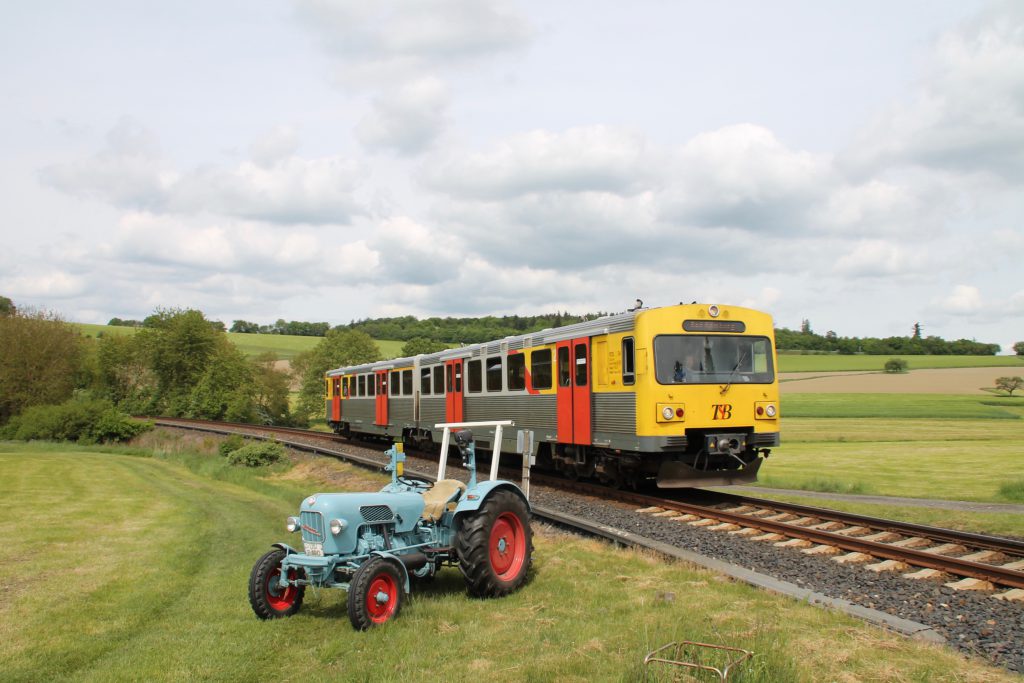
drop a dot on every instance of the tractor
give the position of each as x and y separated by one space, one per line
374 545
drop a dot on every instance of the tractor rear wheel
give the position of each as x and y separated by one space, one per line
375 594
268 599
496 546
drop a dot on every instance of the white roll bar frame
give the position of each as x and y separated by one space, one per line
442 464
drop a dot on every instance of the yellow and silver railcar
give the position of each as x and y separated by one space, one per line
687 395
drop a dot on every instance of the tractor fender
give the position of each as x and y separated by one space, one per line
398 562
476 496
288 550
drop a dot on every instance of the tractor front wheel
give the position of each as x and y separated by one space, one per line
375 594
496 546
268 599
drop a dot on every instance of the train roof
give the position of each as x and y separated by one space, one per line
616 322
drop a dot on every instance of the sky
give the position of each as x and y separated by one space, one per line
858 165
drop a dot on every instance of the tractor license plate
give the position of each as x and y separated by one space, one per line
314 549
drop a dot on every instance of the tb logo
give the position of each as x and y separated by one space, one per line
722 411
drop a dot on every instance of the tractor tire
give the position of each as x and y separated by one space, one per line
496 546
375 594
269 600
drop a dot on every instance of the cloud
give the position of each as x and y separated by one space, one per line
964 300
743 176
880 258
390 41
584 159
406 120
277 187
967 116
53 283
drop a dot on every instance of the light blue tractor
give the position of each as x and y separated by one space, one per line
374 544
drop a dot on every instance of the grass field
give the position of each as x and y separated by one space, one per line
945 406
120 567
284 346
792 362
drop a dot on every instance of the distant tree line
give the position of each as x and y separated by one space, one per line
914 345
293 327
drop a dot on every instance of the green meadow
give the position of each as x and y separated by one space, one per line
133 564
795 362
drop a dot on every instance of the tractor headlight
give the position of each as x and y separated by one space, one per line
338 525
293 525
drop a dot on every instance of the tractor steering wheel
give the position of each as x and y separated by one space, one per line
415 482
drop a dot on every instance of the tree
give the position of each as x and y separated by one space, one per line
339 347
917 330
895 366
41 362
1009 384
805 326
418 345
271 388
224 391
245 327
7 306
1018 348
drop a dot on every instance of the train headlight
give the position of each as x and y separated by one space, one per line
293 525
713 311
667 412
670 412
770 410
766 410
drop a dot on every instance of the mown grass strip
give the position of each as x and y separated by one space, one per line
795 362
945 406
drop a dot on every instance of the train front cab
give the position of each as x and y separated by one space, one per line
707 392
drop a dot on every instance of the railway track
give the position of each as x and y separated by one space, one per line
967 561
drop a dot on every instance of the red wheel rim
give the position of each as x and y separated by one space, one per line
381 598
280 598
507 546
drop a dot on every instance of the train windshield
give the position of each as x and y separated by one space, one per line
712 359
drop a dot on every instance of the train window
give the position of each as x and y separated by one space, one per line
407 382
712 359
581 365
448 374
346 388
628 361
564 374
362 385
439 379
424 381
372 384
494 373
396 384
540 369
474 377
458 377
336 389
516 372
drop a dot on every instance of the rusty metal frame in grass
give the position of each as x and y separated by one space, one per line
681 648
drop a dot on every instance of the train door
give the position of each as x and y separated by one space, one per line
382 398
573 392
453 391
336 399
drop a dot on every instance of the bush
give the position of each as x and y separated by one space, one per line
896 365
257 454
230 445
82 420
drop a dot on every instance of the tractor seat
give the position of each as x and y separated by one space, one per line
442 495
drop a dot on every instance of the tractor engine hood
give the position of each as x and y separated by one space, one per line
356 510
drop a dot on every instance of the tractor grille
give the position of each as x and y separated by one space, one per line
376 513
312 526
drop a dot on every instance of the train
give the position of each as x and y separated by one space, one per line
685 395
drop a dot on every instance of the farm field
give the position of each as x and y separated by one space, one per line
159 551
927 381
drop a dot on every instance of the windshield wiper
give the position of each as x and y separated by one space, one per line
732 374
